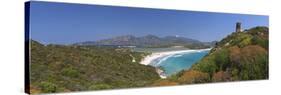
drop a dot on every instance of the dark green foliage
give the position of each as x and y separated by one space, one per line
56 68
70 72
235 74
206 65
222 59
261 42
48 87
213 62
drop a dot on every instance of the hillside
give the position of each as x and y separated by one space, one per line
148 41
58 68
239 56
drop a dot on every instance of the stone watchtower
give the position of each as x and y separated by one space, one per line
238 27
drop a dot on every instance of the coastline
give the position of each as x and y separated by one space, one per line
150 58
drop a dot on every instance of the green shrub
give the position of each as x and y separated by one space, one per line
206 65
246 41
222 59
261 42
48 87
235 74
99 86
70 72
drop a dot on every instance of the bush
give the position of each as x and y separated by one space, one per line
235 74
192 76
206 65
70 72
47 87
246 41
234 55
221 76
99 86
222 59
254 63
261 42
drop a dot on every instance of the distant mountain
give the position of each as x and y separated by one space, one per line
147 41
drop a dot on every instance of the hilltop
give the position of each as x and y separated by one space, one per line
239 56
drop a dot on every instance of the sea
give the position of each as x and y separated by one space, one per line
172 64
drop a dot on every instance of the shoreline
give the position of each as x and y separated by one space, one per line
150 58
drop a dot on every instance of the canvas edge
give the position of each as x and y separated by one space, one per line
26 47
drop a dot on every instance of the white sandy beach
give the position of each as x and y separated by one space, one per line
148 59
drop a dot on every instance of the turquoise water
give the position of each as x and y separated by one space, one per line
175 63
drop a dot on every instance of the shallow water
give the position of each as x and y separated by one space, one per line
175 63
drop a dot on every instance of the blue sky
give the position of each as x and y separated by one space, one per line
64 23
